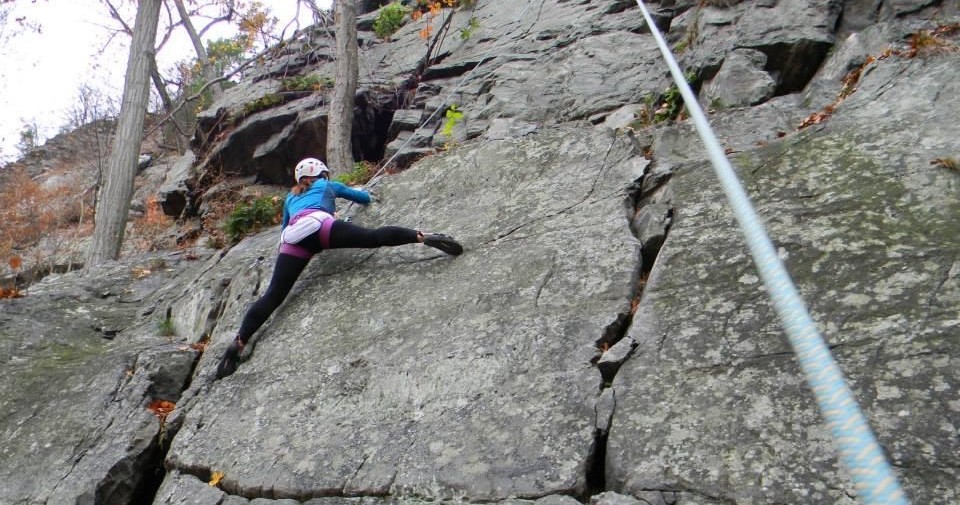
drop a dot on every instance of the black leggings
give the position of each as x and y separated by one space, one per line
288 267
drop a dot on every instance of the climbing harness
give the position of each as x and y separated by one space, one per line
873 478
305 223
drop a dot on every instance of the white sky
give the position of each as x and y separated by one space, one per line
41 73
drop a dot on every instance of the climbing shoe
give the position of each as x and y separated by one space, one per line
443 242
230 360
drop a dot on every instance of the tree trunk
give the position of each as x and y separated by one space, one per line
340 120
158 81
113 202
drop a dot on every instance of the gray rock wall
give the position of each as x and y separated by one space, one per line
603 339
408 373
866 224
83 360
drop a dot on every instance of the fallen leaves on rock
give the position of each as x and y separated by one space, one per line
215 478
161 408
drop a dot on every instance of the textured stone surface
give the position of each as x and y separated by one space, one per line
867 227
403 372
82 361
401 376
741 81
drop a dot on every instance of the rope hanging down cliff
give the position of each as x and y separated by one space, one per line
873 478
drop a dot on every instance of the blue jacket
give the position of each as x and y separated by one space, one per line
321 195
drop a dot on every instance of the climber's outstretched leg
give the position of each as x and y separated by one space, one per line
288 267
344 234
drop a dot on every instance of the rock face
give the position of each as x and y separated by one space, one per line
406 372
603 339
868 233
83 361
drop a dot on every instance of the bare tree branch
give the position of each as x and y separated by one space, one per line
206 85
205 68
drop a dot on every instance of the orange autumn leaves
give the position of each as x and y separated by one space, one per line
215 478
922 43
10 293
15 264
430 9
161 409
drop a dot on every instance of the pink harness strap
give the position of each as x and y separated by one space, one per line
325 233
295 250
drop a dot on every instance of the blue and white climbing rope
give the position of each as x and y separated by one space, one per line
873 477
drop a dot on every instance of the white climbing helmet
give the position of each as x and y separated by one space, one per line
310 167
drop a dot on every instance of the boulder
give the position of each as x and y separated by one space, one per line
741 81
174 193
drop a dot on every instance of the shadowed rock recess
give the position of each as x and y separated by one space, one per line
604 339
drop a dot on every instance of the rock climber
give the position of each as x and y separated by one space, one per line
309 227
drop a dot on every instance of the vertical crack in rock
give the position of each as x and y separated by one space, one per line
152 473
158 382
166 383
260 277
650 213
159 377
372 118
546 278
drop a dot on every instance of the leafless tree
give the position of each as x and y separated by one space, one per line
207 69
90 104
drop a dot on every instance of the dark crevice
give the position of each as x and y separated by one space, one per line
140 476
609 367
372 115
152 477
793 65
150 463
650 215
232 488
136 478
132 480
597 465
662 18
374 110
449 71
201 346
614 332
619 6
